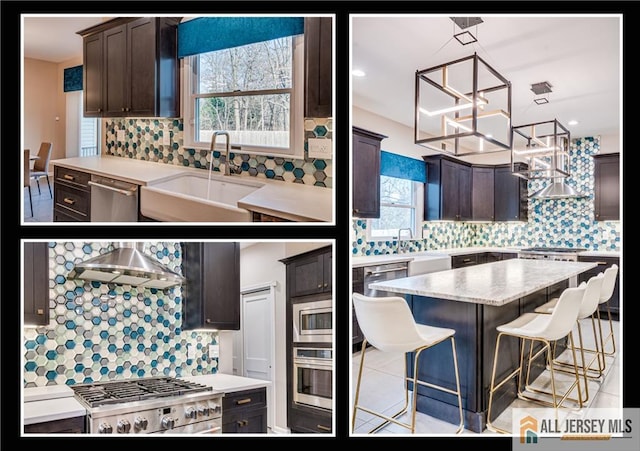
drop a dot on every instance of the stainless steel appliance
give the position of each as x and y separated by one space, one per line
378 273
156 405
313 322
551 253
113 200
313 377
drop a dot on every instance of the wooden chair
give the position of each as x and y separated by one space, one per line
41 165
26 177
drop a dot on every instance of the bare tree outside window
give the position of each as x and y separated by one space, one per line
246 91
397 207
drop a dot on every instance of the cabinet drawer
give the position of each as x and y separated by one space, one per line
72 201
245 421
247 399
304 421
72 177
460 261
263 217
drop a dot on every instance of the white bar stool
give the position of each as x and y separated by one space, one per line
590 302
608 286
388 325
544 328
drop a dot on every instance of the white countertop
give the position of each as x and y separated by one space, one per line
496 283
294 201
52 409
227 383
434 254
49 392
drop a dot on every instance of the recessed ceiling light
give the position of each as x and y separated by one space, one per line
358 73
573 122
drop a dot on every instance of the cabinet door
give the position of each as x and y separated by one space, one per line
36 284
366 176
92 75
115 71
308 276
141 67
464 193
327 272
508 192
449 178
318 66
461 261
482 187
607 187
212 289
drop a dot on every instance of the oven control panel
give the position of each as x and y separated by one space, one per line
178 417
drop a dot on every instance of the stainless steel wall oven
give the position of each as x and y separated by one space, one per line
313 377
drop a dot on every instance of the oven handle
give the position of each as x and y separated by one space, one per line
213 430
117 190
312 364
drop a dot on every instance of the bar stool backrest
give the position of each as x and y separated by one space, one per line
591 296
387 323
609 283
565 314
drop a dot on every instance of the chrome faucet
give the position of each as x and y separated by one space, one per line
227 164
402 245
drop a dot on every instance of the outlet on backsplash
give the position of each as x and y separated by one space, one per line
214 351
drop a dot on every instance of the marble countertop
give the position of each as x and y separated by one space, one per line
57 408
293 201
496 283
357 261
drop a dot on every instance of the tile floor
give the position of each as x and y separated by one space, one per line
42 203
382 389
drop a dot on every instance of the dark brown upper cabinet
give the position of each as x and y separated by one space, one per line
511 201
318 82
212 287
482 187
311 273
448 189
366 173
131 68
36 284
606 198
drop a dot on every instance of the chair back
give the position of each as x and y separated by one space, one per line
565 314
26 180
44 155
591 297
387 323
609 283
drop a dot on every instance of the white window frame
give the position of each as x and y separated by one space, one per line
417 206
296 130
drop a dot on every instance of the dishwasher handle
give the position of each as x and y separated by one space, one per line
125 192
383 271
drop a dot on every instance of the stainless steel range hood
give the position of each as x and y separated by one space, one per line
126 264
557 189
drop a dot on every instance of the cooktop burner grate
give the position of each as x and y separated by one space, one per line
101 393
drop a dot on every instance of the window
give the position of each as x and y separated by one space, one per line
400 208
254 92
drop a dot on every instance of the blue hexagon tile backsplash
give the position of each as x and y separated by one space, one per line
551 222
101 331
143 141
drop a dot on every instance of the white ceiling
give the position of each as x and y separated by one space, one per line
580 56
54 38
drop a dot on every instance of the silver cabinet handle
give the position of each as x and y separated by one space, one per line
382 271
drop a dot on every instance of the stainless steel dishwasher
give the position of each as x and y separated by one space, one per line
386 271
113 200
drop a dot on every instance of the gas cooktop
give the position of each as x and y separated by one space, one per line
114 392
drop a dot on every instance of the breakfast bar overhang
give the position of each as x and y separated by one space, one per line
474 301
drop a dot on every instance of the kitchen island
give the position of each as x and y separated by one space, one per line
474 301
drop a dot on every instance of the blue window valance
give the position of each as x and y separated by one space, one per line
394 165
207 34
73 79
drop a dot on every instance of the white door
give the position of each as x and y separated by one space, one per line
258 349
257 309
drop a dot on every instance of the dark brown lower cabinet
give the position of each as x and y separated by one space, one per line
245 412
305 420
75 425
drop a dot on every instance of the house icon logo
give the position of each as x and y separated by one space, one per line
528 430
